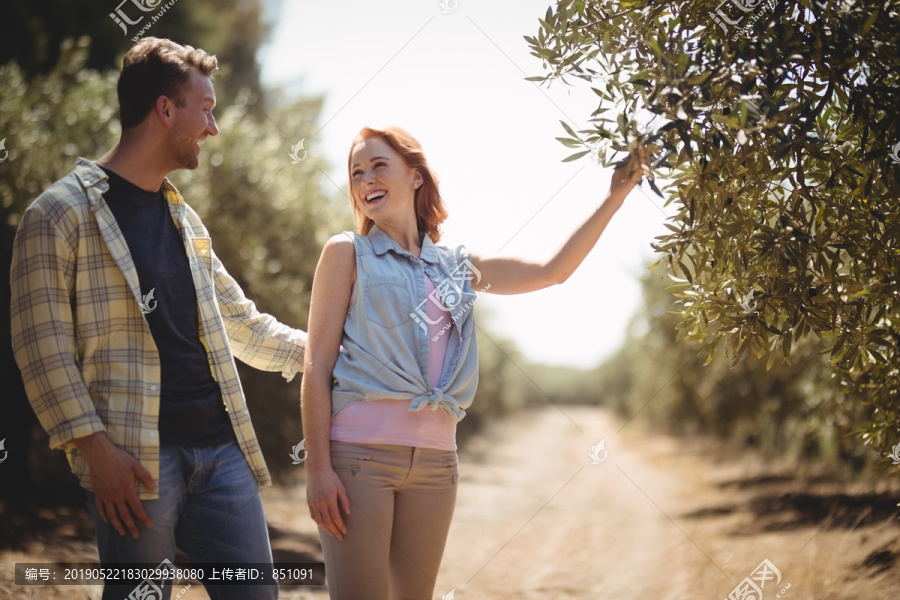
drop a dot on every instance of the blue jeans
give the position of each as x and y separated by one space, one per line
209 507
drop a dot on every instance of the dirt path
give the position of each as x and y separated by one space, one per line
658 518
538 519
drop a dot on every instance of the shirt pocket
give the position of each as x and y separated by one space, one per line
388 301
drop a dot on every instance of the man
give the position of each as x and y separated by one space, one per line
124 323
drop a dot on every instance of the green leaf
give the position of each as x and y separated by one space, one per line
569 143
699 79
710 353
838 345
685 272
575 156
870 21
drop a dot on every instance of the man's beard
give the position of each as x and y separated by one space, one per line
183 155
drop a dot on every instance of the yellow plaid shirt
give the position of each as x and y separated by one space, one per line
83 346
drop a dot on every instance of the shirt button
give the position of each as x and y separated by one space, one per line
152 434
152 388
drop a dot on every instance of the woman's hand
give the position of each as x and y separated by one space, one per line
327 310
325 496
628 174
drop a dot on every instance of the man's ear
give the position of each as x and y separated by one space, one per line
164 108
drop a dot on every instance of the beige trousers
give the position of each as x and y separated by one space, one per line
401 504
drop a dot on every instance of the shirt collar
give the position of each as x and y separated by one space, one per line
90 174
382 242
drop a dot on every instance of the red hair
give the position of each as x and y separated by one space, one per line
430 208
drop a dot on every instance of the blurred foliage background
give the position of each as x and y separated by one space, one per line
791 411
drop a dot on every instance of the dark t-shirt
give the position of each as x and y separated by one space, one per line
191 410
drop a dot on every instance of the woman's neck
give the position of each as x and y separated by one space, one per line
406 236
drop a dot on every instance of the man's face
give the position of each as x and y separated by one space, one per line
193 120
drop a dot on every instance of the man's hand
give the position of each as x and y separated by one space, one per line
112 473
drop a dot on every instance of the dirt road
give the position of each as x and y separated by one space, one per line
658 518
538 519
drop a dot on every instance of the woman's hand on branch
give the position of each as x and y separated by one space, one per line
628 174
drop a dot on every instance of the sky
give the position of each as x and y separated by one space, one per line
453 75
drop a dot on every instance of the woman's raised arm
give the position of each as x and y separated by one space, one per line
509 275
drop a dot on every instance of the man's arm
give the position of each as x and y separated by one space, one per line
42 282
256 338
42 278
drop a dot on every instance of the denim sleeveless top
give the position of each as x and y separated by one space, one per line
385 344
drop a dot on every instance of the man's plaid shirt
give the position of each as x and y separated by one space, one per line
85 351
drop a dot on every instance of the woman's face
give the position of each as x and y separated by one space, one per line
381 184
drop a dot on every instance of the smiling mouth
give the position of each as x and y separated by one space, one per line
375 196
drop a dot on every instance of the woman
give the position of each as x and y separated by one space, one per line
391 366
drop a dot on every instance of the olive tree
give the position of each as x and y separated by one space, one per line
776 127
